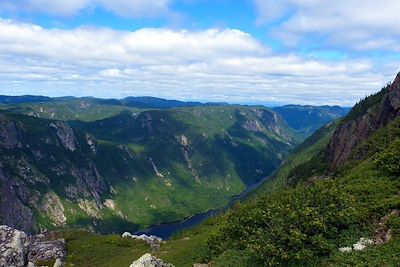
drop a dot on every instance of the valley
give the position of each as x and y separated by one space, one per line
147 166
134 169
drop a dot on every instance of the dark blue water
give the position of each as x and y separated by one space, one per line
166 230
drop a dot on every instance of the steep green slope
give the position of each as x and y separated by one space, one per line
134 169
326 208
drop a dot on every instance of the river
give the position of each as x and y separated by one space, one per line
166 230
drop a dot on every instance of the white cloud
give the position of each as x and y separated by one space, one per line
357 24
124 8
213 64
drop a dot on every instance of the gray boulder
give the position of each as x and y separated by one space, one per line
18 249
13 247
147 260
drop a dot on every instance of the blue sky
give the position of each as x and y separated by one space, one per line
249 51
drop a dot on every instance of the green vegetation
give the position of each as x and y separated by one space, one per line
311 212
89 249
69 109
133 170
305 224
167 164
308 119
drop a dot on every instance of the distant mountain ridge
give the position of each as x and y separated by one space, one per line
131 101
307 119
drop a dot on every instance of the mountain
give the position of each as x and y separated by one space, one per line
308 119
317 209
371 114
87 108
23 99
335 196
134 169
154 102
70 108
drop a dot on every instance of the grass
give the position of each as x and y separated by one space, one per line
86 249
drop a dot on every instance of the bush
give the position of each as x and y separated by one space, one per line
389 161
287 229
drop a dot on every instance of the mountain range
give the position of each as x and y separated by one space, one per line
115 165
133 169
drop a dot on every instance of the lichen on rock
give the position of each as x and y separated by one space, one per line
147 260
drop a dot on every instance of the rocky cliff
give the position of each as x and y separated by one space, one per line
365 118
133 169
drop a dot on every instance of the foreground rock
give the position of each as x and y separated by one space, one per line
19 250
153 241
147 260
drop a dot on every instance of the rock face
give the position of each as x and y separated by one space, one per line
41 250
13 247
352 132
66 135
274 123
19 250
147 260
9 134
13 210
383 233
54 208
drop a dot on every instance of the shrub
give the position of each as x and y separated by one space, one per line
287 229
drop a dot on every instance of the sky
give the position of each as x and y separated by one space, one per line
239 51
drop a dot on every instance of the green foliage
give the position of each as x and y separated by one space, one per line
89 249
304 154
290 228
389 160
305 225
69 109
308 119
226 149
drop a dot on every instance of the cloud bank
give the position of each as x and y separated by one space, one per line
209 65
357 25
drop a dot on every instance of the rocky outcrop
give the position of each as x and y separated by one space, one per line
20 250
42 250
361 244
352 132
66 135
90 183
383 233
54 208
183 140
252 126
14 210
147 260
13 247
153 241
274 123
9 133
